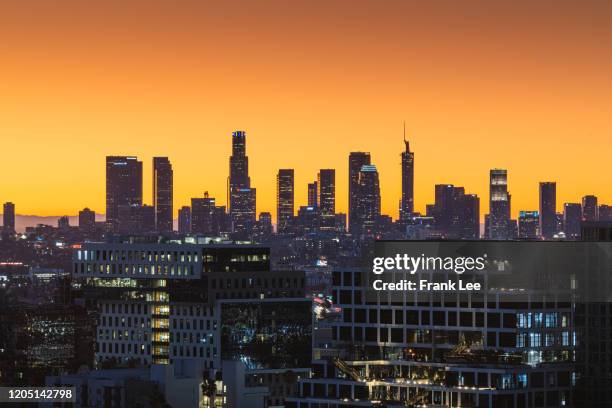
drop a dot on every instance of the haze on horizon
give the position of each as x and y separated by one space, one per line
522 86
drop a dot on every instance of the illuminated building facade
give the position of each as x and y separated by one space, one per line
498 224
356 161
163 177
528 225
123 186
326 198
285 193
241 197
548 212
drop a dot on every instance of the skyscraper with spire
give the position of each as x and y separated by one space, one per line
407 201
241 197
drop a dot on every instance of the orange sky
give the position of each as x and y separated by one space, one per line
525 87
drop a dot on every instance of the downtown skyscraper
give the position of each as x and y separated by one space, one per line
285 184
184 220
407 201
590 208
241 197
572 214
312 194
456 214
498 220
163 193
87 220
123 186
548 205
326 198
8 218
368 205
356 161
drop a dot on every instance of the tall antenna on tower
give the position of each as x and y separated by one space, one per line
406 141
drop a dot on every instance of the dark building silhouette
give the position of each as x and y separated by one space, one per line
203 216
8 217
356 161
407 201
368 200
207 218
589 208
605 212
456 214
136 219
572 214
63 223
528 225
263 227
123 186
548 209
184 220
285 183
241 197
307 220
470 224
163 193
498 221
87 220
326 198
312 194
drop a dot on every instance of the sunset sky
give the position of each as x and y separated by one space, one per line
525 86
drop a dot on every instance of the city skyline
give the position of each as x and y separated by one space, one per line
338 198
521 95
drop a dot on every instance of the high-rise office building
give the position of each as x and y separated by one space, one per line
163 193
572 214
263 227
605 212
8 217
312 194
87 220
284 199
184 220
407 201
528 225
241 197
356 161
589 208
456 214
203 216
135 219
470 222
326 198
498 225
368 200
548 209
123 186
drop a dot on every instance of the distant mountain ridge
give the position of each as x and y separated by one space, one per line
23 221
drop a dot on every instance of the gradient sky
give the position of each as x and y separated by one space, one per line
480 84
